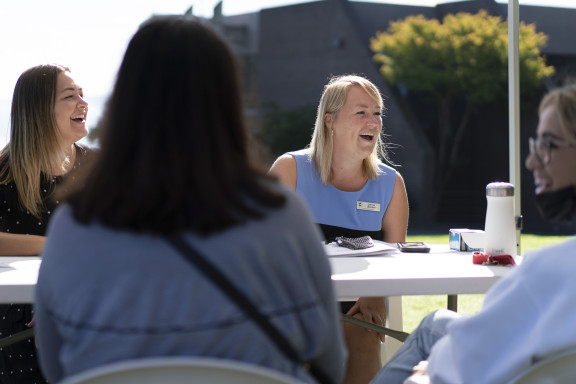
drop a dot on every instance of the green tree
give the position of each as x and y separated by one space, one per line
94 134
461 61
287 130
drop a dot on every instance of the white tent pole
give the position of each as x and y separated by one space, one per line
514 108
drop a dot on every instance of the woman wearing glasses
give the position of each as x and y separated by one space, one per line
552 155
529 314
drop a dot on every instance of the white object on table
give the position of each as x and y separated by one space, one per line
18 276
439 272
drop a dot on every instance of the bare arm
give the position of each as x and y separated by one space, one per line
286 170
395 220
12 244
420 375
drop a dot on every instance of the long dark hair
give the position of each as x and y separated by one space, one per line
174 148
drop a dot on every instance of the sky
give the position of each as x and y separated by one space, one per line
90 37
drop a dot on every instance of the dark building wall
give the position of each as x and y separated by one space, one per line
300 47
558 23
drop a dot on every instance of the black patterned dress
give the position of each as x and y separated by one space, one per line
18 362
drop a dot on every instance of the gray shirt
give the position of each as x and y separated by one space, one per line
107 295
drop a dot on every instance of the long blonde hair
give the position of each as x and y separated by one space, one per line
34 135
332 100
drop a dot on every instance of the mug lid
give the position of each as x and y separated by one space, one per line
500 189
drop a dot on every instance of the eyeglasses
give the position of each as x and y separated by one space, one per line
542 147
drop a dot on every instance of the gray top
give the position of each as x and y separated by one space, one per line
107 295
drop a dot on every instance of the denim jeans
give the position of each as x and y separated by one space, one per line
416 347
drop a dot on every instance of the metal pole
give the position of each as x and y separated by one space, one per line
514 110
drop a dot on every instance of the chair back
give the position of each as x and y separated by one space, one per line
180 370
556 369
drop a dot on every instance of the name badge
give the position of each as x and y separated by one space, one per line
365 206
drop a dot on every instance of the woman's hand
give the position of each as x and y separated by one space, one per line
419 375
372 309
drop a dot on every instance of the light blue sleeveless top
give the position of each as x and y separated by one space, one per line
361 210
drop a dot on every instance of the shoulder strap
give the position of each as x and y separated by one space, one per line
235 295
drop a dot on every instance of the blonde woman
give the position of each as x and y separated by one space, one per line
339 172
48 117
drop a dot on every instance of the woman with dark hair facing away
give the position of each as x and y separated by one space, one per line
174 161
351 193
48 117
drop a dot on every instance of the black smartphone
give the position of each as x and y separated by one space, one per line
414 246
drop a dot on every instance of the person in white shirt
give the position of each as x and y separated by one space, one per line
527 315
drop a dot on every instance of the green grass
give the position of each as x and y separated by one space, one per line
414 308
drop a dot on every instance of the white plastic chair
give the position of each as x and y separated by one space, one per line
559 368
180 370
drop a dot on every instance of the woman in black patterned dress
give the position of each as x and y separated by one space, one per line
48 117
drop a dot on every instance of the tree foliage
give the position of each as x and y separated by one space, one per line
462 61
284 131
465 54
